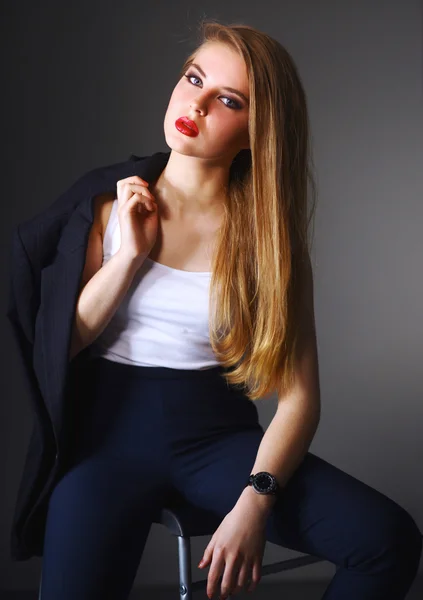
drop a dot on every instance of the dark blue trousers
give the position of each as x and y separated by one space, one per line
141 432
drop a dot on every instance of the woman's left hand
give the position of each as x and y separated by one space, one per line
236 550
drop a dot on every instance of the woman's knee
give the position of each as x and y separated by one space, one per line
406 536
395 538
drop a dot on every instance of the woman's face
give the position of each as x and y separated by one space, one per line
221 116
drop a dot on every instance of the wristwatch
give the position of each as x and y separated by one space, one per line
263 483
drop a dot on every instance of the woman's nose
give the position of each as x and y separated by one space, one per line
199 104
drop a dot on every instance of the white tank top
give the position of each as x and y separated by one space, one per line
162 319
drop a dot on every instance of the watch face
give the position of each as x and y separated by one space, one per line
264 482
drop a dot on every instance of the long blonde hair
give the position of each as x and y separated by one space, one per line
257 266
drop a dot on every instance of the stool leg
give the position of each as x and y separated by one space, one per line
185 576
39 591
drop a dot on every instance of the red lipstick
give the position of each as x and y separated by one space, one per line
186 126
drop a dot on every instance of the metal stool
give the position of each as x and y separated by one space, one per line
186 520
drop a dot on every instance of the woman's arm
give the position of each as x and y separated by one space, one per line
99 300
102 287
290 433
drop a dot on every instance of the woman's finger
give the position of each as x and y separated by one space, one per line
130 185
140 189
255 577
216 569
244 576
230 576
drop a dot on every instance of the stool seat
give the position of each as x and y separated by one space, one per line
181 517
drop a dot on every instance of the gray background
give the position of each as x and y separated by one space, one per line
86 84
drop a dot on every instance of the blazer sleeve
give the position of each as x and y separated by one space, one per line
21 311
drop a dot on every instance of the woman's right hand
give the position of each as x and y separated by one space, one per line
138 218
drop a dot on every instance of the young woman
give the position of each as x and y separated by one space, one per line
196 300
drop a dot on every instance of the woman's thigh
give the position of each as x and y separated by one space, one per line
98 520
322 510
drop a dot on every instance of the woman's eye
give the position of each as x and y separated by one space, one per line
192 76
235 104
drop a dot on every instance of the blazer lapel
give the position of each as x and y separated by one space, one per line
60 282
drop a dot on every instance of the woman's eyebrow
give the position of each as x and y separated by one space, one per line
229 89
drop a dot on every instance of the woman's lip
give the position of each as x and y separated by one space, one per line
186 126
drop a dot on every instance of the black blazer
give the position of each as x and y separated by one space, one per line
46 264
